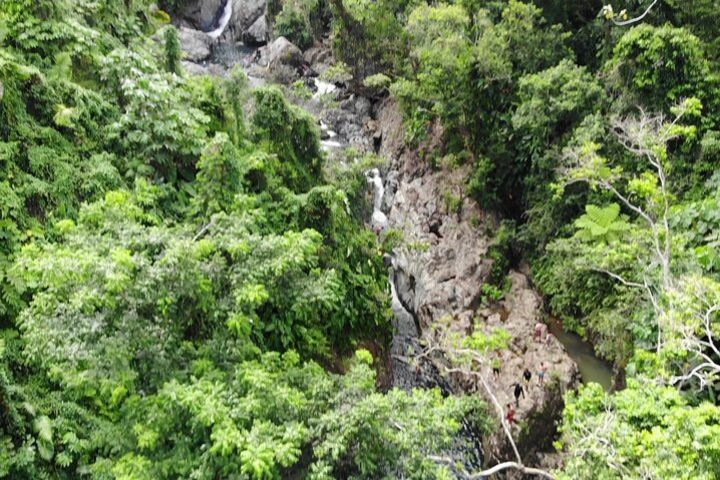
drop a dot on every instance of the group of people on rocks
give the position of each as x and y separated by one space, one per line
518 388
541 328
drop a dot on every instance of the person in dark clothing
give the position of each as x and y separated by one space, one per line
518 390
527 376
496 364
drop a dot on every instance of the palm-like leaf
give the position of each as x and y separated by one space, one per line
601 224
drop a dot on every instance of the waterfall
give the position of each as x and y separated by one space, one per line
323 88
223 22
379 220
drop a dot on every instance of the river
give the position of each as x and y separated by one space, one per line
592 368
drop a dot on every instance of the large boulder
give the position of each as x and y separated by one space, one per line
195 44
319 57
282 52
203 14
278 61
244 15
258 33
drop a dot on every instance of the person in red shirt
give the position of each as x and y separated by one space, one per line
510 415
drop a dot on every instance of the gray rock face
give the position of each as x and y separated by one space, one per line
244 14
319 57
439 274
258 33
283 52
209 10
279 61
195 44
202 13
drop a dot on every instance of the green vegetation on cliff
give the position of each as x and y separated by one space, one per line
184 294
175 278
595 128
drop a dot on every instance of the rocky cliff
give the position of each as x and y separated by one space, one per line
440 271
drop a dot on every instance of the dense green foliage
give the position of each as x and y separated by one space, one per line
183 281
176 276
597 136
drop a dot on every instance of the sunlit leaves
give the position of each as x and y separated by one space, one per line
644 431
603 224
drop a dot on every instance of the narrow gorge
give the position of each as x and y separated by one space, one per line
359 240
439 269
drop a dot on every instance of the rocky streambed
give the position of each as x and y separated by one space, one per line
443 263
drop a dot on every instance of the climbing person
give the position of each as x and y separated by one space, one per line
539 327
510 415
496 364
549 339
541 373
527 376
518 390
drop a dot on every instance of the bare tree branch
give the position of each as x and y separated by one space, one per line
449 352
496 469
637 19
203 231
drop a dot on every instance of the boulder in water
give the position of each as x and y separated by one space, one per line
195 44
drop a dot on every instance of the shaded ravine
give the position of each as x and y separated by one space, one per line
407 297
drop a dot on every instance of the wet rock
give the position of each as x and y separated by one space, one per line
195 44
210 11
258 33
205 14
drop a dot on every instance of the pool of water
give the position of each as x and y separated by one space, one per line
592 368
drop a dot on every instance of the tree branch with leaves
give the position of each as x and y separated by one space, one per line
647 195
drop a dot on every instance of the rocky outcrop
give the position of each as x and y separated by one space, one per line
244 21
279 61
203 14
245 14
258 33
282 52
195 44
439 274
319 57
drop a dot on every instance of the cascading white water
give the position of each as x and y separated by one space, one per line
223 23
323 88
379 220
